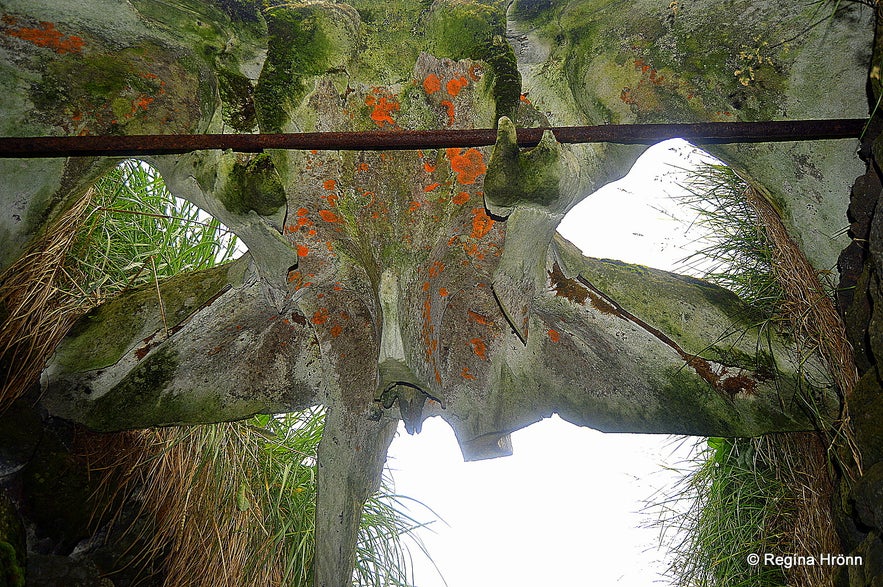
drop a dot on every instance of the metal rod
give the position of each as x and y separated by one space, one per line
646 134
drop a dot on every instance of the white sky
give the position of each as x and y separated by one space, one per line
564 509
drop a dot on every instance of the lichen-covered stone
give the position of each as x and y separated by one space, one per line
411 268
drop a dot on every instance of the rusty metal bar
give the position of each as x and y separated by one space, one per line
646 134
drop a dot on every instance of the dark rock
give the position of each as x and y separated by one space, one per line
870 572
866 412
867 497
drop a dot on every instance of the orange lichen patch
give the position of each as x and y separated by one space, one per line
436 268
431 84
479 348
478 318
294 276
383 106
320 316
431 187
141 103
524 99
363 167
302 251
425 286
303 221
329 184
554 336
465 374
481 223
46 36
329 216
449 106
474 72
302 211
428 167
443 292
336 330
455 85
468 166
437 377
461 198
415 205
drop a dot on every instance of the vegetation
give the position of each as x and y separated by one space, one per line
771 494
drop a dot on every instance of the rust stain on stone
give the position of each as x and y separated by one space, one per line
569 288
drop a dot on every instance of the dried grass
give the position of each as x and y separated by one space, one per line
814 321
40 302
195 485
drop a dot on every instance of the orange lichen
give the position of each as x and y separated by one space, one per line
415 205
461 198
302 251
478 318
425 286
47 36
467 165
363 167
320 316
481 223
554 336
431 84
428 167
443 292
465 374
302 211
436 268
449 107
524 99
455 85
479 348
431 187
329 184
336 330
383 107
329 216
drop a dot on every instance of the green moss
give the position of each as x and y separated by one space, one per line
536 11
464 29
237 94
11 572
101 337
137 393
253 184
298 48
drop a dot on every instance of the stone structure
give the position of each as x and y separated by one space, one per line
405 284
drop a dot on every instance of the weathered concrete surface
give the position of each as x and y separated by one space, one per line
396 279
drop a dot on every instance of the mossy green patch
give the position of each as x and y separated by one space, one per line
298 47
253 184
11 571
103 92
237 95
101 337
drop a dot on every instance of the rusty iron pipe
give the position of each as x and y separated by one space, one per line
646 134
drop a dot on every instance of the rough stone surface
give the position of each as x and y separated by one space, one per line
425 282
